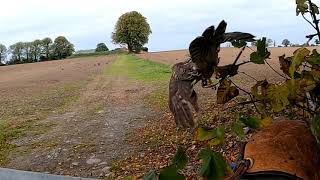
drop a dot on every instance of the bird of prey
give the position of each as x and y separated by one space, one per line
204 49
203 60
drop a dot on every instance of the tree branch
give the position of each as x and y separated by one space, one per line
248 94
276 71
309 21
248 76
242 49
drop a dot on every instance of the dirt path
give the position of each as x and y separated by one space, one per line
91 133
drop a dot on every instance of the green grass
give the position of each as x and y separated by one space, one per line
146 71
140 69
96 54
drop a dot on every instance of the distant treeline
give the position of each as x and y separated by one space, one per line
35 51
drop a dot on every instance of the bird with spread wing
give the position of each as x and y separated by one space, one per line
201 65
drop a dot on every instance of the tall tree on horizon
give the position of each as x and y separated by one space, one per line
46 45
62 48
133 30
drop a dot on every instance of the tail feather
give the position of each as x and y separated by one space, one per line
182 112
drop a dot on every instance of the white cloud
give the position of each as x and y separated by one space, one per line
174 23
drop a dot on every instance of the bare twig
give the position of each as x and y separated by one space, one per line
248 76
276 71
242 49
243 63
308 21
311 36
250 48
251 97
314 18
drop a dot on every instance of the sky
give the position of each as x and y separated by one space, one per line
174 23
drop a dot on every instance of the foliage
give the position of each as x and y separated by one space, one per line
299 92
62 48
212 136
226 92
238 43
35 50
38 50
101 47
286 42
214 167
46 47
261 54
145 49
238 130
179 162
133 30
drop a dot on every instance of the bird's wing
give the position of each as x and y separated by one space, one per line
220 31
198 48
203 50
182 97
232 36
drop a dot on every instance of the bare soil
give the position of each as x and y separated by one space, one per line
78 121
84 136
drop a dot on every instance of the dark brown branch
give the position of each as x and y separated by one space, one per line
251 97
243 63
242 49
276 71
314 18
312 35
248 76
308 21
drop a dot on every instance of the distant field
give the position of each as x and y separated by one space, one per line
227 56
73 116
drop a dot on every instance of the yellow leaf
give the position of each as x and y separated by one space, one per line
278 96
266 122
299 56
226 92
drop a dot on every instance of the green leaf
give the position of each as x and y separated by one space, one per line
226 92
250 121
238 130
302 7
169 173
215 136
204 134
261 54
299 56
152 175
315 128
314 58
220 136
213 166
278 96
238 43
180 159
